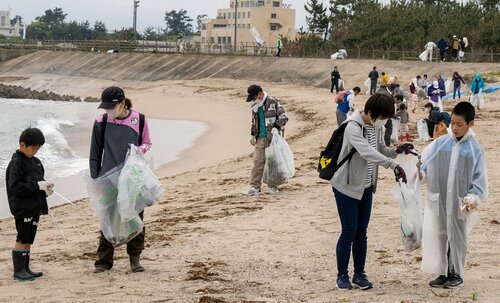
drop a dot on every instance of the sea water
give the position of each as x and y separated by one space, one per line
67 128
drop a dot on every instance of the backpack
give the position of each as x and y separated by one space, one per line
445 117
342 96
105 122
329 157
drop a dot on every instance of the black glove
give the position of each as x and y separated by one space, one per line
399 173
404 148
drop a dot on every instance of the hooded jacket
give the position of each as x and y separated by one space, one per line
22 177
477 84
350 178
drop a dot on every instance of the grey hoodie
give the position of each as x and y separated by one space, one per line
350 178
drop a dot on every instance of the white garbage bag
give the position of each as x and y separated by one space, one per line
138 186
448 84
477 100
368 84
279 162
395 130
424 55
408 196
103 194
423 131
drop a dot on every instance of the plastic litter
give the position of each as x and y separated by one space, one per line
280 165
423 131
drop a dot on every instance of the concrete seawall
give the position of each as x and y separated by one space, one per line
154 67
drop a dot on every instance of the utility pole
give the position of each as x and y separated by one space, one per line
136 5
235 22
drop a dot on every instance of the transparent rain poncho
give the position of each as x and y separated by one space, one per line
454 170
423 131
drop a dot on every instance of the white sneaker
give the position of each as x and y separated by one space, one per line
272 190
253 191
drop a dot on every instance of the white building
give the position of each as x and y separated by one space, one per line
5 28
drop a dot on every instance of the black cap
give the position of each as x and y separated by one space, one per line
111 96
253 90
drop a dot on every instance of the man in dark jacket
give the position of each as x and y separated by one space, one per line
442 46
267 114
373 75
27 193
335 77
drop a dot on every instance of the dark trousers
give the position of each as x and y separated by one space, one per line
454 52
373 86
354 217
441 54
278 52
106 250
455 90
430 127
388 132
335 83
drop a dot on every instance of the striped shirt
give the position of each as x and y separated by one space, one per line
372 140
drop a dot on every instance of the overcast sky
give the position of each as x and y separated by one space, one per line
118 13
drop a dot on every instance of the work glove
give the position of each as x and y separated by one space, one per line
399 173
404 148
46 186
470 203
253 141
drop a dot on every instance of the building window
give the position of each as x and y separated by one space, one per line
224 15
228 40
276 4
248 15
260 3
212 40
203 40
219 40
239 15
273 27
273 16
203 27
248 25
244 15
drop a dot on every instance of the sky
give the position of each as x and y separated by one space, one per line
117 14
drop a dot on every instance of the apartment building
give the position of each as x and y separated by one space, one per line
5 28
255 21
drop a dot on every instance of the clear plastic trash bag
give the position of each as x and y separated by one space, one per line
137 184
477 100
408 197
367 83
423 131
103 194
279 162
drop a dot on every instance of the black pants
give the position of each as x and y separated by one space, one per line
106 250
373 86
388 132
454 53
430 127
278 52
335 83
441 54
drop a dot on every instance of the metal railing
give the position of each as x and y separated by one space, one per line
291 49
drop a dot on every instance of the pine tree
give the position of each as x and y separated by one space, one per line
316 18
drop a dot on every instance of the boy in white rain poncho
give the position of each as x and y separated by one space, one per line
455 170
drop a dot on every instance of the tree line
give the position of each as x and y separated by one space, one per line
401 24
52 25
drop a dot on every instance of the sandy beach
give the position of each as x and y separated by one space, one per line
205 242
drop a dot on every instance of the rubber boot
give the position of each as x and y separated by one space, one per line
19 261
135 265
400 138
408 138
35 274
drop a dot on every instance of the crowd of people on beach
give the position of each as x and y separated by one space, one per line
455 48
453 166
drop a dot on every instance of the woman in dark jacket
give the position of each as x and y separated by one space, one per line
456 84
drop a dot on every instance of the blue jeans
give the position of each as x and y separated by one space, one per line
455 90
354 216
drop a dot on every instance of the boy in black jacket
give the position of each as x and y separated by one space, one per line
27 192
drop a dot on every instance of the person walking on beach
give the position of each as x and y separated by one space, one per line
454 168
354 183
27 192
373 75
335 77
279 45
346 104
476 91
112 134
267 113
456 84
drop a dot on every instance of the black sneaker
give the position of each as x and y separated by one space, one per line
454 281
361 282
343 282
438 282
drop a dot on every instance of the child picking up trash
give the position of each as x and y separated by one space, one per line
455 171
